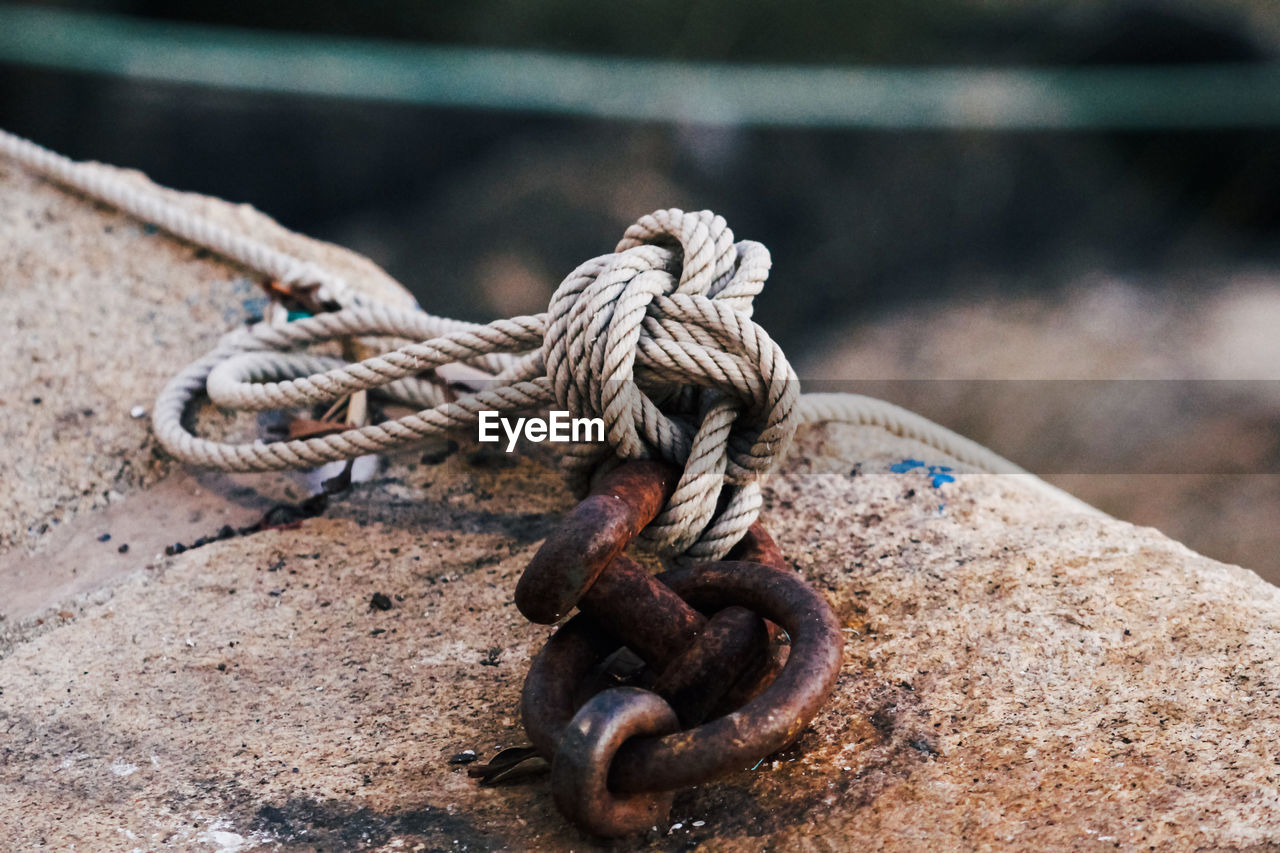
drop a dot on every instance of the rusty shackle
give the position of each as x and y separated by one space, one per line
581 563
721 689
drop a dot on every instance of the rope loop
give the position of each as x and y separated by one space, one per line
657 340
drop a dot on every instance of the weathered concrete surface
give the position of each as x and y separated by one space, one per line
1016 677
99 310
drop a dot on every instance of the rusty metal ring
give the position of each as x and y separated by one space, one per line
590 537
580 768
733 742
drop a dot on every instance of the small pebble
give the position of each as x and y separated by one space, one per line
106 537
380 601
465 757
699 823
137 412
123 549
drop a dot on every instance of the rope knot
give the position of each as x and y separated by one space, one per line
657 340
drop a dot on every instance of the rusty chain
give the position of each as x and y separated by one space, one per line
738 656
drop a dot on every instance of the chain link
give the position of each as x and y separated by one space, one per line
739 655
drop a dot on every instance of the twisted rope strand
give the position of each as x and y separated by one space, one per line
656 339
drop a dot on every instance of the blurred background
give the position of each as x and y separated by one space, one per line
1052 227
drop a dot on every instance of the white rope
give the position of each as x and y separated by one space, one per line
656 339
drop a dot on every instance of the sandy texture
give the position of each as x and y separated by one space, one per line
1016 677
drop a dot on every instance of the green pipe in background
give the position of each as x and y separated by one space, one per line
1081 98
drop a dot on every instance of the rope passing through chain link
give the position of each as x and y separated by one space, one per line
655 338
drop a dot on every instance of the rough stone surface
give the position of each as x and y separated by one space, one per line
100 310
1016 677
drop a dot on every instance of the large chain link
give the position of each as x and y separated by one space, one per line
738 656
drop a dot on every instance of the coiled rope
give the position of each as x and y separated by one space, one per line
656 339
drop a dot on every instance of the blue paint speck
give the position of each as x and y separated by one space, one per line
938 473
